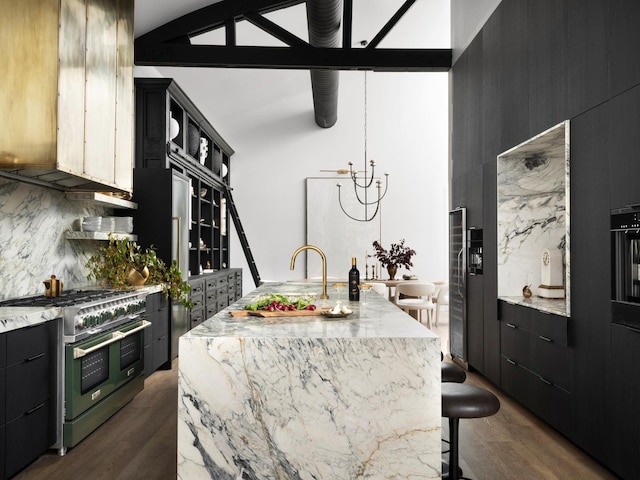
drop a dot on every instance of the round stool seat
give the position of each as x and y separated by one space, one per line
460 400
452 373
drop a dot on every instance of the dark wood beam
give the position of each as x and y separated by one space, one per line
347 23
390 24
275 30
391 59
211 17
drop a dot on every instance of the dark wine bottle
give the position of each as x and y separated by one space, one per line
354 281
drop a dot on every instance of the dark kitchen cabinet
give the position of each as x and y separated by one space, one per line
536 362
214 292
157 337
28 410
173 138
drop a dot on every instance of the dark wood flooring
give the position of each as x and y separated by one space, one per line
139 442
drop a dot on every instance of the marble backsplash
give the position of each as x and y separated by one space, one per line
33 246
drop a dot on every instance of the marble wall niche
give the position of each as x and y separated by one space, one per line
533 211
33 223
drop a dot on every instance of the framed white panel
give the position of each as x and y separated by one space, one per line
338 236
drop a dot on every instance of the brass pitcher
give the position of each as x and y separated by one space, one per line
52 287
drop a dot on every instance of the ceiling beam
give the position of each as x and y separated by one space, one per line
378 59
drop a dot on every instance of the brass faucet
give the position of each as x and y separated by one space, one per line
324 266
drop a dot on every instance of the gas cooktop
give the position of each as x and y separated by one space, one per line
65 299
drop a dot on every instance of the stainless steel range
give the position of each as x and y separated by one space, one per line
101 358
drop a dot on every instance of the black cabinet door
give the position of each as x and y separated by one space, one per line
28 436
625 391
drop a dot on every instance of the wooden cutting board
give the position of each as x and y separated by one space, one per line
278 313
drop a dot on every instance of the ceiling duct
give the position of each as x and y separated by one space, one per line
323 19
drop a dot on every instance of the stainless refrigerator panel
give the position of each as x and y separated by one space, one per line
181 221
457 284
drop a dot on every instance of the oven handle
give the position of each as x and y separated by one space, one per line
115 336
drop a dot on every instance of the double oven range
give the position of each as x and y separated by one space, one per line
101 356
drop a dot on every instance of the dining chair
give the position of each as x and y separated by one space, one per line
416 296
379 287
441 299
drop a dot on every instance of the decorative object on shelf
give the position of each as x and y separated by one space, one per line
398 255
174 127
526 291
204 150
551 275
365 181
225 170
203 192
113 264
194 140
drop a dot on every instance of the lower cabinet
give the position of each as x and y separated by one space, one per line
28 409
157 352
536 362
211 293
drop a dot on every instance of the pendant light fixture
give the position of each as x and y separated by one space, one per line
363 184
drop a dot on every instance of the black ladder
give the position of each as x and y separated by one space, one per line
243 237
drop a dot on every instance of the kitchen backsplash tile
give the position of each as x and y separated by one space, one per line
33 246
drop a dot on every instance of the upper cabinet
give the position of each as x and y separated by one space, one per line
171 129
67 93
182 172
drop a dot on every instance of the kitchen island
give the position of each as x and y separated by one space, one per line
308 397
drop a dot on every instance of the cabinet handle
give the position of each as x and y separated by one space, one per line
29 412
511 361
510 325
35 357
545 381
546 339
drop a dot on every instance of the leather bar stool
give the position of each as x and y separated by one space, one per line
452 373
460 400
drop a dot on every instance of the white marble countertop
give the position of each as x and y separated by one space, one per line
12 318
549 305
310 397
377 319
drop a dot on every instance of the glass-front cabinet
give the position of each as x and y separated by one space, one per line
172 135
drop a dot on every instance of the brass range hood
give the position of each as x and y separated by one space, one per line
66 93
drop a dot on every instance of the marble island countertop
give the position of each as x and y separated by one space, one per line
310 397
549 305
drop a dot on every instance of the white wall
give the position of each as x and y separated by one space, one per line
467 18
278 146
267 117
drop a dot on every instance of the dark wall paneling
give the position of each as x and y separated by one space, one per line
588 50
513 121
543 61
491 324
590 280
547 49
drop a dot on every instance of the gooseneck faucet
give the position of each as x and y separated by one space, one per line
324 266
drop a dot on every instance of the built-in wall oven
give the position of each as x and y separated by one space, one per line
625 266
101 359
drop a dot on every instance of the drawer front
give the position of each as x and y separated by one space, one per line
223 302
222 291
551 363
212 309
515 315
29 436
552 404
211 296
27 343
196 317
552 327
212 283
197 286
515 344
515 380
197 299
221 281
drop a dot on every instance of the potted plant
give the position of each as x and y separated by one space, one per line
122 264
398 255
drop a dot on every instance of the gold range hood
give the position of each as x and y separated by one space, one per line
66 93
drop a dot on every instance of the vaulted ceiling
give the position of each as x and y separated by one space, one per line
209 35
